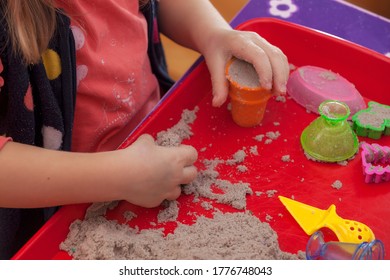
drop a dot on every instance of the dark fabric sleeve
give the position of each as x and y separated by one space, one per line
155 47
66 84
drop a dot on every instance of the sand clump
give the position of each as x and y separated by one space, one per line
100 209
182 130
337 184
234 194
270 136
169 213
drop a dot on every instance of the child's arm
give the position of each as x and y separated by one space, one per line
144 174
198 25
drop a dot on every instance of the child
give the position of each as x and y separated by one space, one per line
101 50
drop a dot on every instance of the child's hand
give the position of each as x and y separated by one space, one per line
157 172
268 60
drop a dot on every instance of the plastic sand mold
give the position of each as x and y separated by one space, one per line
330 138
275 163
311 85
373 122
248 98
376 163
318 249
312 219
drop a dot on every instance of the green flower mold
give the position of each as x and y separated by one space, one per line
372 122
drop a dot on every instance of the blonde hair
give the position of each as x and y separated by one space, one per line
32 24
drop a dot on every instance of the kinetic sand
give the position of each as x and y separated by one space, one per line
225 236
244 74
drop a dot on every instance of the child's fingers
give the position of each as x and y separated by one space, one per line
188 153
189 174
216 66
249 46
277 61
269 61
280 70
174 194
262 64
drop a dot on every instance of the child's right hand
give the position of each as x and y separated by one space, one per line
155 173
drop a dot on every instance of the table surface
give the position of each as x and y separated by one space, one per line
335 17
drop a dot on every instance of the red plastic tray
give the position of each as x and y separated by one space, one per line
309 182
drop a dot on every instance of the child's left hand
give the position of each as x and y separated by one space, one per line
269 61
